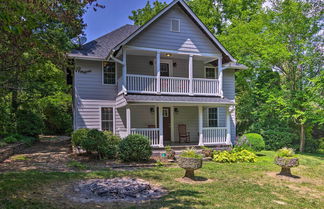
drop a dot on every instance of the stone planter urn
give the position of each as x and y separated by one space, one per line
190 165
286 163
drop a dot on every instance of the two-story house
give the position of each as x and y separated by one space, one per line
163 79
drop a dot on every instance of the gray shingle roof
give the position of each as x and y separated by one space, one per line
101 47
177 99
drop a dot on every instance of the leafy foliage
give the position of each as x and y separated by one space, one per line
110 149
234 156
190 153
29 123
285 152
276 139
79 135
253 140
135 148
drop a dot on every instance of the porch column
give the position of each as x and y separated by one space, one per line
200 118
160 126
158 72
128 120
220 76
228 126
172 123
124 69
190 73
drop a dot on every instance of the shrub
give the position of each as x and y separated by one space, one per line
28 140
94 142
2 143
234 156
10 139
253 140
190 153
29 123
110 148
79 135
285 152
135 148
275 139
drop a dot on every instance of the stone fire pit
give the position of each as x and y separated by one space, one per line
116 190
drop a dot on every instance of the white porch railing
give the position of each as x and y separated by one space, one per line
206 86
141 83
174 85
151 133
214 135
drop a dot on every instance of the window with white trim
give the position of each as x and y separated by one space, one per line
213 117
107 119
109 73
175 25
211 72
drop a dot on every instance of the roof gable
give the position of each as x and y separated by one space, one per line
227 57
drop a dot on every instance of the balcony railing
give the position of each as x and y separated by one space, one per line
151 133
172 85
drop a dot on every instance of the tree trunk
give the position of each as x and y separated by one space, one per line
302 138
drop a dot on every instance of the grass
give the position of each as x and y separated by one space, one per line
19 157
237 185
77 165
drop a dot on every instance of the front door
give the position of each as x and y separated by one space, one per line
166 124
165 69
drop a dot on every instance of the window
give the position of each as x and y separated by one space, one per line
175 25
107 119
109 73
212 117
210 72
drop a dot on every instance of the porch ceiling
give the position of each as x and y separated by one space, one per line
137 98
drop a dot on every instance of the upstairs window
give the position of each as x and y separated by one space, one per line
175 25
109 73
212 117
211 72
107 119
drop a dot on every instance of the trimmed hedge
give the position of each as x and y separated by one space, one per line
135 148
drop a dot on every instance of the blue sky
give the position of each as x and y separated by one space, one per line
113 16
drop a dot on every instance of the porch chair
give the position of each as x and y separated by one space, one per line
183 134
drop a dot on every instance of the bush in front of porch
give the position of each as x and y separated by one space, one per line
135 147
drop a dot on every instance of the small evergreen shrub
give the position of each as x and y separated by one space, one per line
110 148
95 142
253 140
234 156
135 148
190 153
79 135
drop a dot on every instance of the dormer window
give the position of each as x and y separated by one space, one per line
175 25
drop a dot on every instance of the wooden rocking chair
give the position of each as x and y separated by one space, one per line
183 134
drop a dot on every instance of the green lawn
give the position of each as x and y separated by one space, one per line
243 185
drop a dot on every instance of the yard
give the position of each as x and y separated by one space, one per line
241 185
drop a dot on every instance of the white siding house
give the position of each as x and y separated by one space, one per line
149 80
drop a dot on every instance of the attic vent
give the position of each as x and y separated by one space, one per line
175 25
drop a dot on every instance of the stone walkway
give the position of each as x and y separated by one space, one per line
50 154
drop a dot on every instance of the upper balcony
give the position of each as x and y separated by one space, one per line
166 73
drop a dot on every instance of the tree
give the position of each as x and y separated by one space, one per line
35 39
141 16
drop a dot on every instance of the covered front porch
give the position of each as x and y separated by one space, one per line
179 124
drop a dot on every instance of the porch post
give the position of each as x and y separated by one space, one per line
190 73
124 69
228 126
200 118
158 72
160 126
128 120
172 122
220 76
